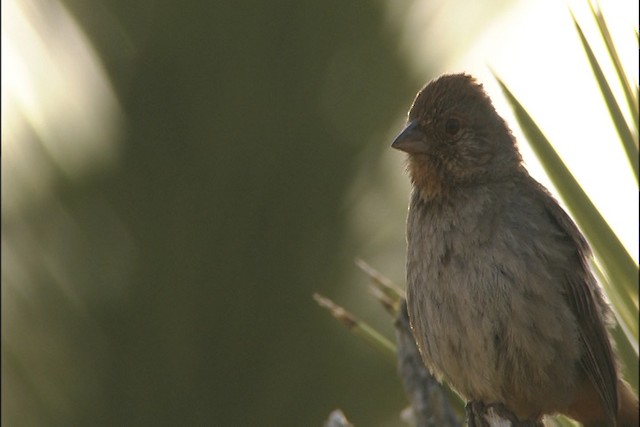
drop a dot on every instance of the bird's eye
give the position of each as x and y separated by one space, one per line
452 126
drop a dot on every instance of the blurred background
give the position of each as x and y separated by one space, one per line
178 178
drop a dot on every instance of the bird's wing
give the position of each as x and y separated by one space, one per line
585 300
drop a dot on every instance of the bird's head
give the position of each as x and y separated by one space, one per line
454 137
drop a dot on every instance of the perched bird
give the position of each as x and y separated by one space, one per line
502 302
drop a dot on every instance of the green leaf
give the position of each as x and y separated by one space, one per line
562 421
630 94
628 139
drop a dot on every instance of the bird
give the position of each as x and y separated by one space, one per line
502 301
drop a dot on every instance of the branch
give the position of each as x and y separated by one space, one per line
429 402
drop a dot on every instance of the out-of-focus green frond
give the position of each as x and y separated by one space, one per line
630 93
627 137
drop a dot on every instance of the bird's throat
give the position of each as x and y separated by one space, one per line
426 177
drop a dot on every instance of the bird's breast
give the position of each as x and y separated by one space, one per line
483 310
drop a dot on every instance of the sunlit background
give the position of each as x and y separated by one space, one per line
178 178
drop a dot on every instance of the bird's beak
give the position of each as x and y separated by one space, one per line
411 140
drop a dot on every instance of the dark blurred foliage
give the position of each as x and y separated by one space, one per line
185 274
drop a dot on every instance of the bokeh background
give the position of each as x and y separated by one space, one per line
178 178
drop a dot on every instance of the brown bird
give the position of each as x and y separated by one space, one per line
502 301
